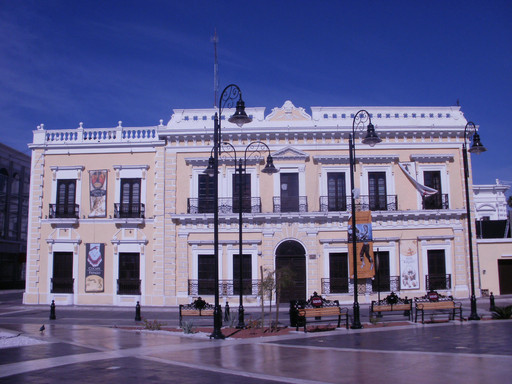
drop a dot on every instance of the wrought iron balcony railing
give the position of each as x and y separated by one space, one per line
363 203
64 211
437 201
128 286
62 285
389 284
290 204
226 287
227 205
129 211
336 285
334 203
376 203
435 282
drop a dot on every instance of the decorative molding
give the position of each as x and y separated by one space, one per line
377 159
224 242
288 112
331 159
432 158
290 153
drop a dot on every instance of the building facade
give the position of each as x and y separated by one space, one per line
120 215
14 187
494 237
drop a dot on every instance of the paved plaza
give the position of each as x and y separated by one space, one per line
89 345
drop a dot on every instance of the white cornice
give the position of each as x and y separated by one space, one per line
377 159
429 158
331 159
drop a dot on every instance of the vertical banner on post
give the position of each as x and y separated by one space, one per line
409 264
98 193
364 247
94 267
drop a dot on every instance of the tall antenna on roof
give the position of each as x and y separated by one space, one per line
215 40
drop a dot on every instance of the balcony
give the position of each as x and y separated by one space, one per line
129 211
226 287
290 204
389 284
62 285
363 203
377 203
128 286
437 201
64 211
227 205
336 285
438 282
334 203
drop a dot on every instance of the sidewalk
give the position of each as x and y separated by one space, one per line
82 345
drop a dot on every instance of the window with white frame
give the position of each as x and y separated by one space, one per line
378 189
130 192
66 187
289 190
434 176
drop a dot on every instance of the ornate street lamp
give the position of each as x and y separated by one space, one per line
229 95
470 130
371 138
254 150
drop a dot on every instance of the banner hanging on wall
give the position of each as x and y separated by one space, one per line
98 193
364 247
94 267
409 274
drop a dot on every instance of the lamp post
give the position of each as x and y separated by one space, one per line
229 95
253 150
360 118
477 148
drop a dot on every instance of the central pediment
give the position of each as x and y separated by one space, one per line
288 112
290 153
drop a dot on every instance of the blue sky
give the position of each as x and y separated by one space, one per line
63 62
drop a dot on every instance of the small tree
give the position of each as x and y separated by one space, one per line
284 278
267 288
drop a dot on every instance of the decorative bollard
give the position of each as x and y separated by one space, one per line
227 315
52 311
407 312
137 312
491 299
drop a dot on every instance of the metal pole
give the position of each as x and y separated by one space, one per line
474 314
241 323
356 324
217 312
377 262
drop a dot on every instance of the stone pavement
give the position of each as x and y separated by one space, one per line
79 347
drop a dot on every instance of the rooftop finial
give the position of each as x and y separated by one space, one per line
80 125
119 124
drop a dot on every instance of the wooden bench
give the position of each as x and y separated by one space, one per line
198 307
436 302
392 303
318 307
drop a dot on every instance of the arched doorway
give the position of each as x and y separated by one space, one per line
291 254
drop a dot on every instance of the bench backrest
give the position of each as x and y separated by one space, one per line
448 304
323 311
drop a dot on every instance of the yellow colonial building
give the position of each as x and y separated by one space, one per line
120 215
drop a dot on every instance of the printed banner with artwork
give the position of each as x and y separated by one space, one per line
409 276
364 247
98 193
409 169
94 267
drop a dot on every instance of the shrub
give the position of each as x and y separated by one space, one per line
188 327
154 325
502 312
